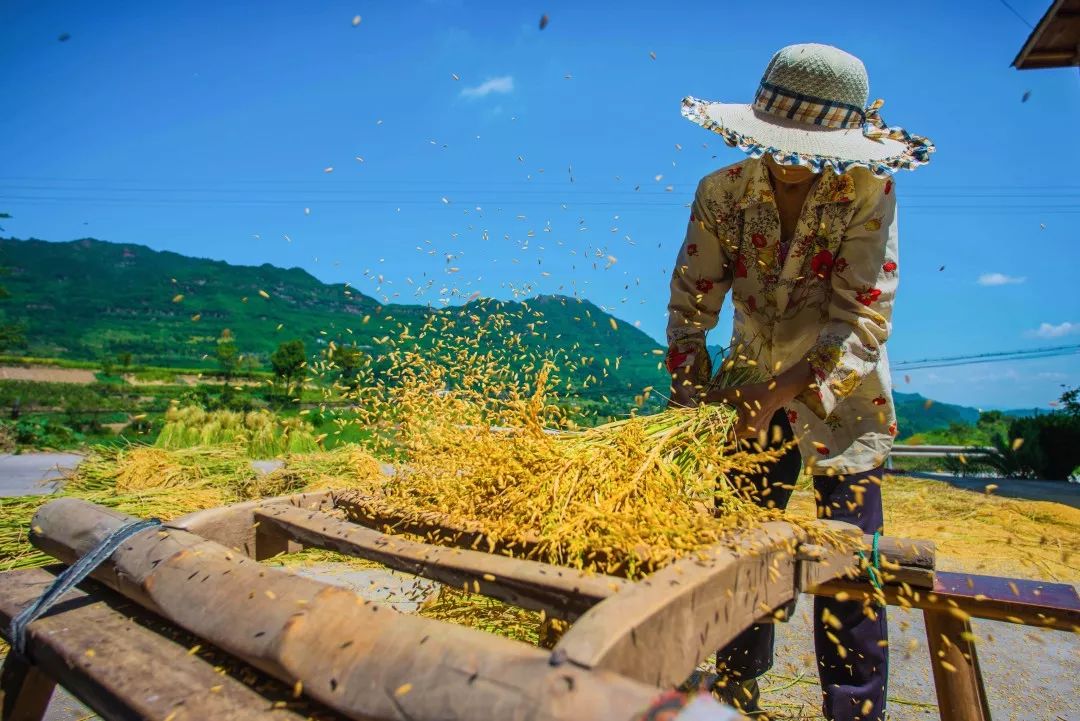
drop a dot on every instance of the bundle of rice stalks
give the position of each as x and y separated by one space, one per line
623 498
485 447
262 433
15 548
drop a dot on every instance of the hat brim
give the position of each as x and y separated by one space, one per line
793 143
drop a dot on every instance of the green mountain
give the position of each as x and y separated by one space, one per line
90 299
916 413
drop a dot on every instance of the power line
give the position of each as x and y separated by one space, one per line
499 202
536 181
525 189
469 197
1013 11
997 357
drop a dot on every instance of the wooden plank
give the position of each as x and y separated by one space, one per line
357 657
369 511
1034 603
660 628
915 577
234 526
25 690
912 552
957 678
100 650
560 592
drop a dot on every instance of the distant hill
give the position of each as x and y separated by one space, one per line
91 299
1026 412
916 413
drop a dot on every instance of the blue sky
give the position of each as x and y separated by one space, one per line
208 129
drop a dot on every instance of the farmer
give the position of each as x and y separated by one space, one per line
804 236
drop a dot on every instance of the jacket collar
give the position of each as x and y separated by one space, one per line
830 188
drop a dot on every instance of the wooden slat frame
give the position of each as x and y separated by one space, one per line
559 592
660 628
355 656
234 526
542 587
948 608
1046 605
104 657
955 666
25 690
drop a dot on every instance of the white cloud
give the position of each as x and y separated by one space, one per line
999 279
1046 330
502 84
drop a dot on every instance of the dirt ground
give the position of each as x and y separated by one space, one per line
50 374
46 374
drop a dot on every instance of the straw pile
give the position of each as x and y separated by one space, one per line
156 483
478 454
262 433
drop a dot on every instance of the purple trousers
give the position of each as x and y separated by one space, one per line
847 681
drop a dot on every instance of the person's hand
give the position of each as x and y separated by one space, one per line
756 404
686 377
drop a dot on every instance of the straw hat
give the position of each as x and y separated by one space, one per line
811 110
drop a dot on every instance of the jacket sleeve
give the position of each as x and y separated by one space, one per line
864 277
701 277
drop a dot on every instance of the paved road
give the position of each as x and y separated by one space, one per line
30 474
1066 493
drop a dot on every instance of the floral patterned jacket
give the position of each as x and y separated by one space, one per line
828 301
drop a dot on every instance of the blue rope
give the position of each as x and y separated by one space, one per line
69 578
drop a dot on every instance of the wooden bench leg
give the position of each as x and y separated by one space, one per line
271 541
24 690
957 678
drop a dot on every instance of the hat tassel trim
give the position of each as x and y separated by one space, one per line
917 152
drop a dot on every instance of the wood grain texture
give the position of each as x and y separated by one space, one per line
357 657
560 592
97 649
1033 603
957 677
659 629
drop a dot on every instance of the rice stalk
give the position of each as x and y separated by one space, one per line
473 423
150 482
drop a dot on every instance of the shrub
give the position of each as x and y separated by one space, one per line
43 432
1045 446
